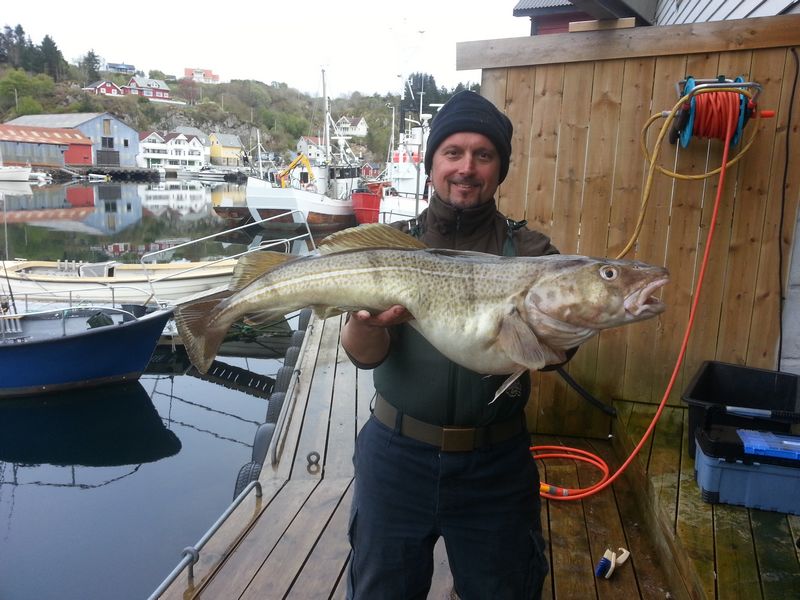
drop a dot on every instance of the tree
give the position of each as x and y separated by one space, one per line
52 59
90 66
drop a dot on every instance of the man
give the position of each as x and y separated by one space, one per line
418 474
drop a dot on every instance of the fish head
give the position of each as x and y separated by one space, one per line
596 293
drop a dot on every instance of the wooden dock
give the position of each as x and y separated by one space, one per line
292 542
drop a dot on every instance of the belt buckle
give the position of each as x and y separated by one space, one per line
457 439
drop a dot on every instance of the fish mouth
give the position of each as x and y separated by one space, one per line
642 302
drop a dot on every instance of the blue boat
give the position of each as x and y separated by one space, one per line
70 348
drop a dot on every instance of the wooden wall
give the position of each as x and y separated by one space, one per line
578 103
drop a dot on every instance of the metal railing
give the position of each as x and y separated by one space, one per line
191 554
286 242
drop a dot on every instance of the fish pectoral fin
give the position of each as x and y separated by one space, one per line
519 342
507 383
252 266
371 235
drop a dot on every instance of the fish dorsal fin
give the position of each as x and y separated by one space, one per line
372 235
252 266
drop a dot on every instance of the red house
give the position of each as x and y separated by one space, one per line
105 87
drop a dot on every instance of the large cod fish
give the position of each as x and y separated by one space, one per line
491 314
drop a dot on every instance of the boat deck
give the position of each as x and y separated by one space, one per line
292 542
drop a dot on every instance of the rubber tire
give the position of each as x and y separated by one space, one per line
274 406
297 338
249 472
305 317
282 379
292 352
261 441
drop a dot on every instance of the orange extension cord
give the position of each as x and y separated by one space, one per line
716 116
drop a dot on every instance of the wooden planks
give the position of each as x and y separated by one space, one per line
695 38
578 175
721 551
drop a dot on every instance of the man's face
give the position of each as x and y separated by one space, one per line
465 170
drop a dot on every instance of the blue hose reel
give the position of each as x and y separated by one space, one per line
683 125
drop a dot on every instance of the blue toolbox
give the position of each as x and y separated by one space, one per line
747 467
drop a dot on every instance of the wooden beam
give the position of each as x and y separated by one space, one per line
693 38
602 24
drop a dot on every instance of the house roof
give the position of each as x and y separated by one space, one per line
195 132
145 134
66 120
41 135
144 82
173 134
524 8
228 139
97 84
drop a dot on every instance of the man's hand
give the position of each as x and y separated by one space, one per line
365 337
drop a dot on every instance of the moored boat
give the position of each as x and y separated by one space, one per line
14 173
53 350
318 193
111 282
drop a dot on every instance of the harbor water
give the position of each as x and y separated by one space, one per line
101 490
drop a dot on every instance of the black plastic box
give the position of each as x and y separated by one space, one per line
739 396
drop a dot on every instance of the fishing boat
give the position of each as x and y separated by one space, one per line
317 193
14 173
69 348
111 282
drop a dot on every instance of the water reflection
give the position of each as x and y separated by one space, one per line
101 427
118 220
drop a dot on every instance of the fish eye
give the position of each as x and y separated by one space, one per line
609 273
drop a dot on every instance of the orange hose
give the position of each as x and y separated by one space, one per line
725 106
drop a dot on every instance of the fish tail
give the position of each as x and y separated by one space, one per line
201 341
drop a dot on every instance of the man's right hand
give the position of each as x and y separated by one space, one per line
365 337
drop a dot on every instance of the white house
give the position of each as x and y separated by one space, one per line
171 151
312 147
352 126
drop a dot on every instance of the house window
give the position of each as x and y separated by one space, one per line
107 143
106 126
125 143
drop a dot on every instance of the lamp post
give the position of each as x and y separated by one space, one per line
391 136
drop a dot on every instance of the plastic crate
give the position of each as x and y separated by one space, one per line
738 467
744 397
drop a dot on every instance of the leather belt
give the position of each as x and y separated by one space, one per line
448 439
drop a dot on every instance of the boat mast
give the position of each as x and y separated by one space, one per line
326 133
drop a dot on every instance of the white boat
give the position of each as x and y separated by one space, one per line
266 200
111 282
318 193
405 170
204 174
14 173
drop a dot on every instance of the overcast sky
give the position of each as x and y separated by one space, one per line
363 46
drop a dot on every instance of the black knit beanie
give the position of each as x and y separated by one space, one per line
468 111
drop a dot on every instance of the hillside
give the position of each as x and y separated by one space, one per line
36 79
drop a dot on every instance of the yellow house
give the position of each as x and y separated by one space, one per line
226 149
